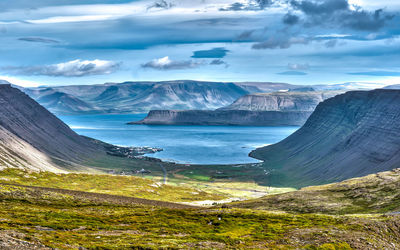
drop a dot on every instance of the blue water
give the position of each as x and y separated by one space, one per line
183 144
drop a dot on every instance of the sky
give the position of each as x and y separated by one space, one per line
63 42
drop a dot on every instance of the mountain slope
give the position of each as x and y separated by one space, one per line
33 138
350 135
225 117
281 101
134 97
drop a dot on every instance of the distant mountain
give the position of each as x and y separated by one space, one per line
281 101
135 97
262 109
33 138
395 86
141 97
225 117
350 135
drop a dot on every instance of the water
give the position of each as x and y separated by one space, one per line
183 144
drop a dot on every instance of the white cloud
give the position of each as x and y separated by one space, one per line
75 68
167 64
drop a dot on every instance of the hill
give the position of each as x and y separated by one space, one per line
350 135
376 193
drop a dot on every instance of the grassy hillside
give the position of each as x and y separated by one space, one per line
377 193
32 217
129 186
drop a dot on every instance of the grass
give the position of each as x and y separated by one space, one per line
66 222
130 186
377 193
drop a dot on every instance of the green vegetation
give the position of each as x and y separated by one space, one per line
129 186
377 193
66 221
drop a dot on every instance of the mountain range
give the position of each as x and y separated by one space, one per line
141 97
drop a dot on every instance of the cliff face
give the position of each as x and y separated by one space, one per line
350 135
31 137
225 117
281 101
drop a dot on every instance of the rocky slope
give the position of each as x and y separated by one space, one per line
262 109
33 138
281 101
350 135
135 97
225 117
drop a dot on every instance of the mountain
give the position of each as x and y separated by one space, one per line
33 138
281 101
395 86
350 135
225 117
261 109
139 97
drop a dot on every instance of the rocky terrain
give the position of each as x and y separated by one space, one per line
262 109
350 135
225 117
282 101
141 97
33 138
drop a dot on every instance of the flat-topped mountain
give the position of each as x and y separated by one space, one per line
350 135
33 138
261 109
224 117
281 101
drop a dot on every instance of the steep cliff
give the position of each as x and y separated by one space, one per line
225 117
281 101
350 135
33 138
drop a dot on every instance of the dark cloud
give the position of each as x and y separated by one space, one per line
38 40
161 4
76 68
219 62
253 5
280 42
166 64
290 19
293 73
212 53
320 7
337 13
245 35
377 73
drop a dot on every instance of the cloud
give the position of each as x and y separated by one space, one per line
290 19
280 42
161 4
38 40
75 68
167 64
377 73
251 5
297 66
212 53
219 62
293 73
339 13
